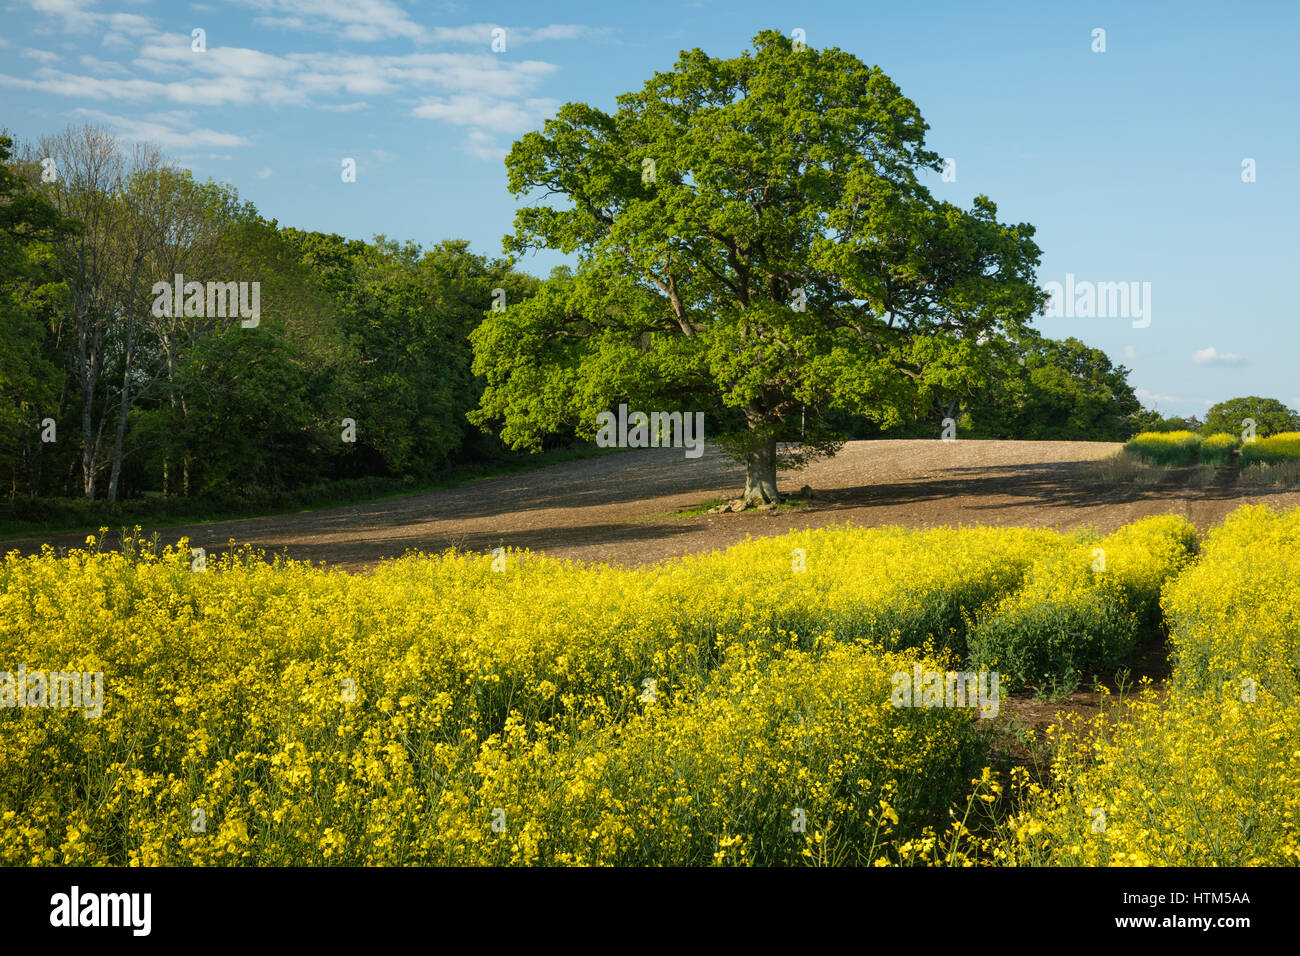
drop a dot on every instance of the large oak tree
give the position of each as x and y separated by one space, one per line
752 240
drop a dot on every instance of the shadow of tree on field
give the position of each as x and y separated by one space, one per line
1042 485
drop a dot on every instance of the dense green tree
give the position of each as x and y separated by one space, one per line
1062 391
407 313
256 405
30 378
1270 416
754 242
254 427
199 404
102 264
1153 421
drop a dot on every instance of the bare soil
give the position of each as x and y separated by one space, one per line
619 508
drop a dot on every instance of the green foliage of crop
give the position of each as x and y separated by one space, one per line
1164 448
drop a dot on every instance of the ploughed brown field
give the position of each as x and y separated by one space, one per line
619 508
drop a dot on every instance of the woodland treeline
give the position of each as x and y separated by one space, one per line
103 399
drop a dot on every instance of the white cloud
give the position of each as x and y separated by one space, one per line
361 20
488 94
226 75
1157 399
484 112
130 24
1212 356
562 31
1152 398
458 72
214 92
45 56
172 52
77 16
476 34
367 21
264 173
172 117
96 65
480 144
74 14
1130 352
170 131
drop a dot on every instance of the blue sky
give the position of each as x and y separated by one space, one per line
1128 161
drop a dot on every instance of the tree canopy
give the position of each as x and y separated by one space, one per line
754 240
1058 391
141 400
1269 414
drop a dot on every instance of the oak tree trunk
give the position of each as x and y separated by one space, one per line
760 471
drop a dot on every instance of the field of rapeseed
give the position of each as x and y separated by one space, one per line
727 708
1210 775
1164 448
1275 449
1217 449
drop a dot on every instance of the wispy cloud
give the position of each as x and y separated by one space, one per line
477 34
361 20
1212 356
81 16
44 56
1154 398
486 94
170 131
368 21
480 144
486 112
96 65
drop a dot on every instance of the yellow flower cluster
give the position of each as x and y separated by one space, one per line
1164 448
731 708
457 708
1275 449
1081 612
1217 449
1210 774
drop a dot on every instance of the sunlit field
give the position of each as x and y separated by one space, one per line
741 707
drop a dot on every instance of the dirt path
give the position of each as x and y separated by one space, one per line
616 508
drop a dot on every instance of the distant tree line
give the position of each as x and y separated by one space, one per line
104 398
1032 389
359 363
1269 415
